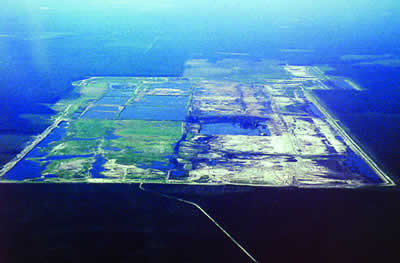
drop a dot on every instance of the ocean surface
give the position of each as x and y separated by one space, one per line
45 45
373 115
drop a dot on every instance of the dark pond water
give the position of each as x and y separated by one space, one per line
31 169
231 128
144 112
97 167
25 169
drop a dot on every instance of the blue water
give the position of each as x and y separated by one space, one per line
111 136
31 169
163 166
316 112
228 128
111 149
358 165
144 112
373 115
341 83
55 135
97 167
160 108
104 108
25 169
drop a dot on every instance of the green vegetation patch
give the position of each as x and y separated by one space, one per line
73 147
70 168
86 129
171 129
141 150
143 142
136 142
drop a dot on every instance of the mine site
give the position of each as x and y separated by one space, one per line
230 122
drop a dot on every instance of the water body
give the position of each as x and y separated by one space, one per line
70 222
231 128
31 169
314 111
163 166
97 167
157 108
25 169
56 135
373 115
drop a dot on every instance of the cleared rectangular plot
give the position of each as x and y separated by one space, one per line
264 170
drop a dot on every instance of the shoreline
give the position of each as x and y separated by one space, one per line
353 144
39 138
